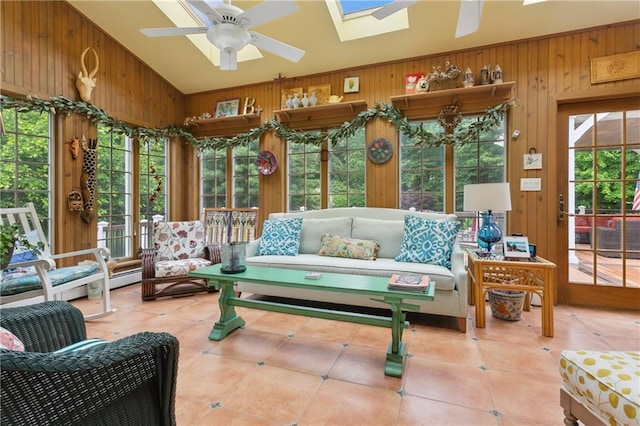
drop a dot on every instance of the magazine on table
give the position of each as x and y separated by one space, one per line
407 282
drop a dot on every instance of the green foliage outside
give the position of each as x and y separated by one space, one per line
608 195
24 162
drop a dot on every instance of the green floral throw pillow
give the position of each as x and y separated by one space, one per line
337 246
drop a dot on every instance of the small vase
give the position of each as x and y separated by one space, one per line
467 79
484 75
496 75
305 100
289 102
313 100
295 101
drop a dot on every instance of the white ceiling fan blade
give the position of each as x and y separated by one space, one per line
392 8
276 47
469 17
164 32
228 59
206 8
266 11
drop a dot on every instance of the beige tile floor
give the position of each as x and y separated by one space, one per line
291 370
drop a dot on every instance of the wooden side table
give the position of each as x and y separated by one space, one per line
531 276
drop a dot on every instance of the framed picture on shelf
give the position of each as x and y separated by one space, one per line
323 91
410 81
351 85
227 108
516 247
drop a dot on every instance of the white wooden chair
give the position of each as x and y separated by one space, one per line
49 281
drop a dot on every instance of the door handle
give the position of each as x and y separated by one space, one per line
561 210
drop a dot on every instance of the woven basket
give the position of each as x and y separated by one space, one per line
441 84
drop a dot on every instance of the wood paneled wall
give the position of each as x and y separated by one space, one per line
546 70
42 42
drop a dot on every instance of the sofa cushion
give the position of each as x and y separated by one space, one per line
442 276
178 240
428 241
606 382
10 341
352 248
57 277
178 268
280 237
388 233
82 346
312 230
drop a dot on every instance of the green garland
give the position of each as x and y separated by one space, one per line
59 104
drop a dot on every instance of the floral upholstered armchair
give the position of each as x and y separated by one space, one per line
178 248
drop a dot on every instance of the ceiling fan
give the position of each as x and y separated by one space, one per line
228 28
468 17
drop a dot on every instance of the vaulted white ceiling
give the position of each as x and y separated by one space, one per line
432 24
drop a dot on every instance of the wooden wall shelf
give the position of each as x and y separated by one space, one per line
339 112
224 126
471 99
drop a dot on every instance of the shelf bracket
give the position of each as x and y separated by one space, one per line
351 107
493 92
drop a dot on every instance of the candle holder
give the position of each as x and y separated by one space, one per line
234 258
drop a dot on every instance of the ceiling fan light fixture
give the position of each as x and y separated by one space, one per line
225 36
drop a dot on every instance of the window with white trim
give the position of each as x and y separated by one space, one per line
26 163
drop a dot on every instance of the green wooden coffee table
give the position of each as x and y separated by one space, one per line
376 287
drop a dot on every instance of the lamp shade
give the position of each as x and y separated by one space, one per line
481 197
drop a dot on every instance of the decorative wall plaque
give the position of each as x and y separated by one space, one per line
615 67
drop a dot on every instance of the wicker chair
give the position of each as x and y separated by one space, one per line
179 248
129 381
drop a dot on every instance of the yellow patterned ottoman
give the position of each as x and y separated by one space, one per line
600 387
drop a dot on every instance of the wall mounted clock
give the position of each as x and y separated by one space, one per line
379 150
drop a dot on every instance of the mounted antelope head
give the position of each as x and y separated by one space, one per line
86 82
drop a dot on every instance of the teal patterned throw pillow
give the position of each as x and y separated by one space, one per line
280 237
428 241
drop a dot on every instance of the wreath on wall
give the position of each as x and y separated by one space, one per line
491 118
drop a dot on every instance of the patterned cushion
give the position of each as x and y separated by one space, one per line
81 346
178 268
57 277
280 237
337 246
178 240
606 382
428 241
10 341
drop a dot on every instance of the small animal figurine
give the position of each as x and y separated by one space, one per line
422 86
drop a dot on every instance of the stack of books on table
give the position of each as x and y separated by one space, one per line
405 282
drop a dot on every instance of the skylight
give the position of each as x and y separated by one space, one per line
352 18
354 6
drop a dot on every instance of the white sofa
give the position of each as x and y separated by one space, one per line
367 223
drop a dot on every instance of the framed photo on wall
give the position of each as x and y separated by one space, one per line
516 247
351 85
227 108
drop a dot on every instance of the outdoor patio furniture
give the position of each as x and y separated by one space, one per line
40 276
130 381
609 239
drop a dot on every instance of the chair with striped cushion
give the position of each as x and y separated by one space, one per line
128 381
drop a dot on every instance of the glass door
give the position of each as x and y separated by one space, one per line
599 203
